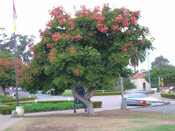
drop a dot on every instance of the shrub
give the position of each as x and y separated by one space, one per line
11 100
168 95
5 109
108 93
47 106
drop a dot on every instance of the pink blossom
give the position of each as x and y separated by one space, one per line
125 22
49 24
49 45
133 20
79 37
119 19
71 24
105 6
56 36
136 13
115 27
97 9
124 11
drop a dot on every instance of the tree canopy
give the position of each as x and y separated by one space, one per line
167 73
91 50
7 71
160 62
23 45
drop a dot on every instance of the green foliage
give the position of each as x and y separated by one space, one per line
92 49
160 62
168 95
5 109
108 93
45 106
167 73
127 84
23 46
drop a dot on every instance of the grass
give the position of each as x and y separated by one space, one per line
120 122
67 93
98 93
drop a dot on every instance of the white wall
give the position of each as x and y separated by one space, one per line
138 82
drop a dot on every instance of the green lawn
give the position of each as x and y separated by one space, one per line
67 93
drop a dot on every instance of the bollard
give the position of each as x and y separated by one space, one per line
163 107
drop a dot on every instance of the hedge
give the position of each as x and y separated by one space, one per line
45 106
107 93
12 100
5 109
168 95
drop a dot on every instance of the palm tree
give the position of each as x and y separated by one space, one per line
136 57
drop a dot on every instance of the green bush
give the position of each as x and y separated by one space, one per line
49 106
12 100
5 109
168 95
107 93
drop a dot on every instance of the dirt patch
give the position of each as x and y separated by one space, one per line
106 113
109 120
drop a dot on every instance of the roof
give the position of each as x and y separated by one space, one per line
139 75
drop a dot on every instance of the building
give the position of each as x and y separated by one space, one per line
139 81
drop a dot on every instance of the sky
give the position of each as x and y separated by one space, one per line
157 15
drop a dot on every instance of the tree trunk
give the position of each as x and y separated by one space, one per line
86 99
3 90
135 69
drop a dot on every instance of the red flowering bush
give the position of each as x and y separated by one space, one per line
91 49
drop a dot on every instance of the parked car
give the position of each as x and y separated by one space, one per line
134 91
13 93
139 99
171 89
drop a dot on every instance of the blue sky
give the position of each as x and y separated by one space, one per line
157 15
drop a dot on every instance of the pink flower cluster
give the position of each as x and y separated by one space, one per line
124 21
60 19
133 20
100 26
56 36
136 13
105 6
57 11
79 37
49 24
83 11
42 36
124 11
50 45
115 28
126 45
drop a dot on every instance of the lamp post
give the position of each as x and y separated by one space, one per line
149 78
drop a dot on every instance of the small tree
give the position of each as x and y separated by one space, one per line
90 50
7 71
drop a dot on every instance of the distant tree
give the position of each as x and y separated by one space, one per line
160 62
7 71
23 46
167 73
136 57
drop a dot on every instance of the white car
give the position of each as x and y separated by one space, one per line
139 99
